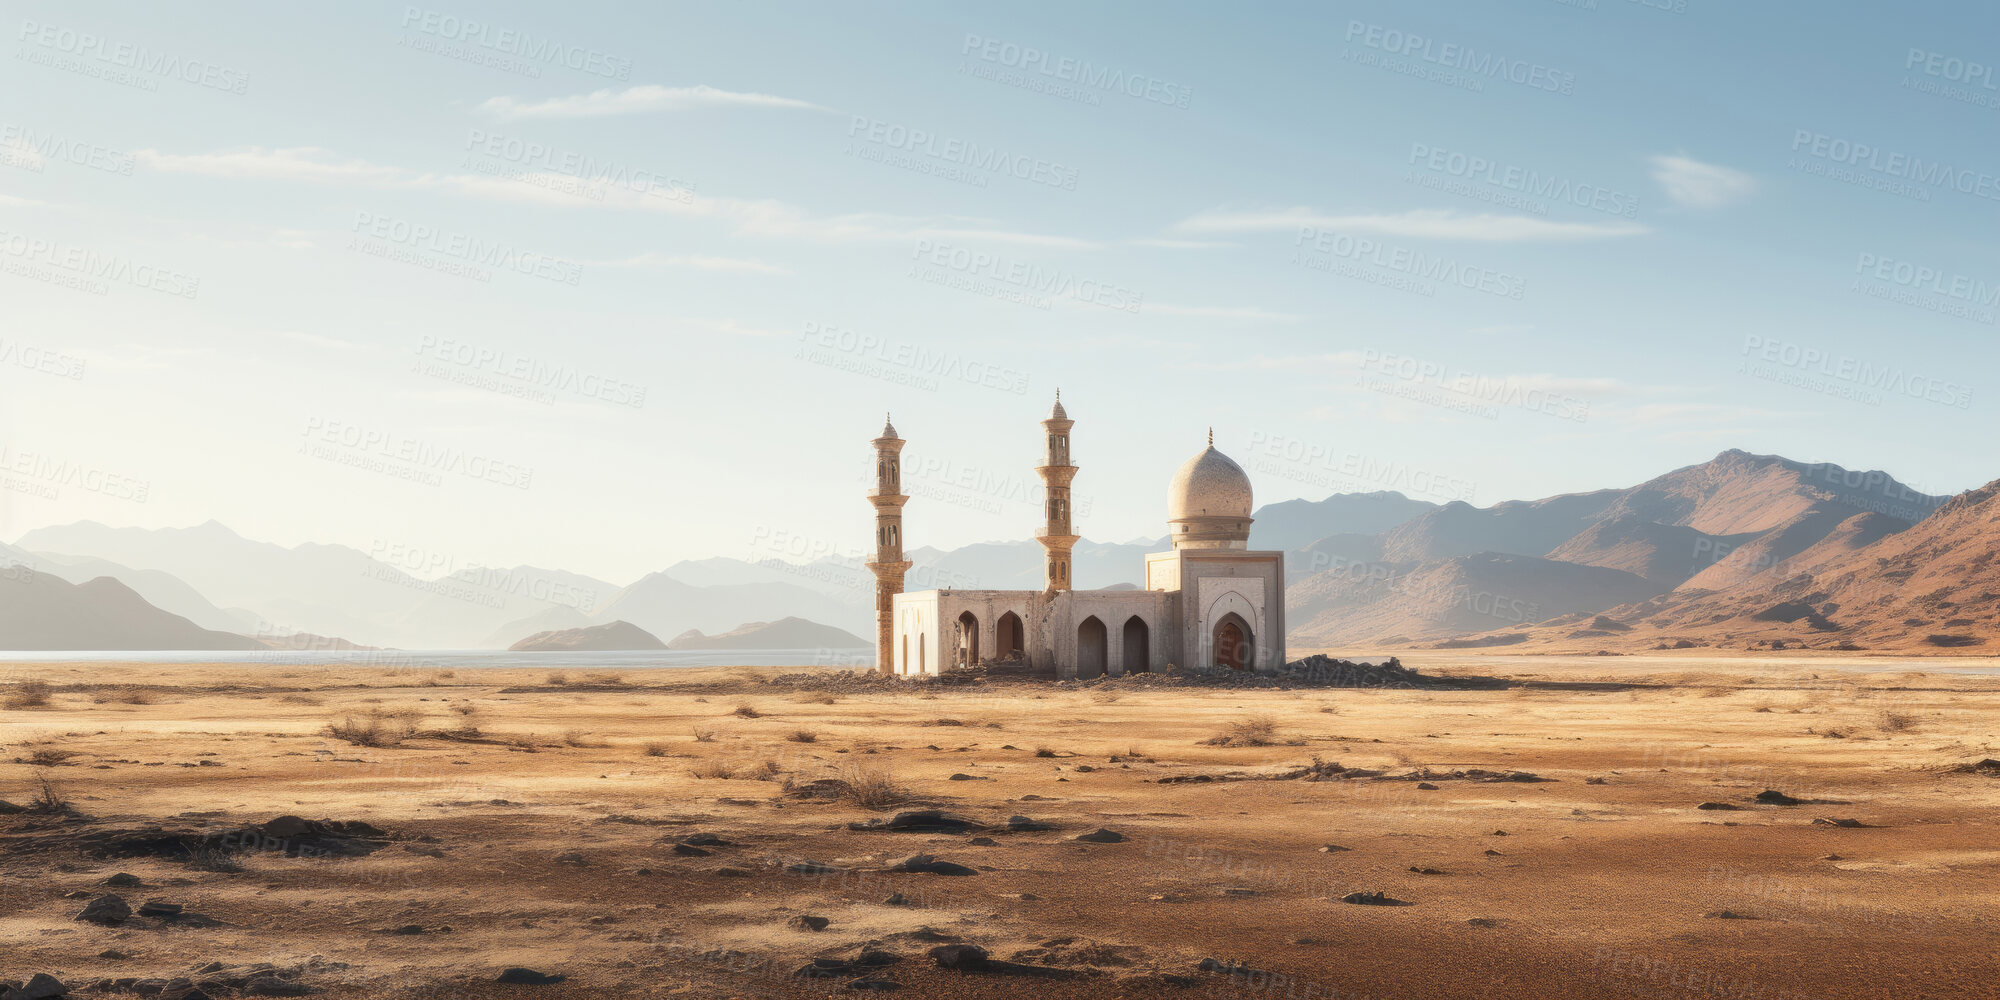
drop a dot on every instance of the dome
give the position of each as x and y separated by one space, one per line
888 429
1209 485
1058 413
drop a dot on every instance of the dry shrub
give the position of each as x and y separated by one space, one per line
656 749
802 736
124 694
1256 731
303 699
717 768
1891 721
1103 696
1329 708
713 767
875 788
48 757
49 799
580 739
608 679
815 698
31 693
465 708
747 711
374 729
704 735
556 680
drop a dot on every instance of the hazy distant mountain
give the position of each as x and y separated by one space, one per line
1295 524
161 589
663 605
44 611
549 620
609 637
1447 598
786 633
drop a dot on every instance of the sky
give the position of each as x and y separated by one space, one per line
605 287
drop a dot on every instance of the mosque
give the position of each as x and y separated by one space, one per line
1209 604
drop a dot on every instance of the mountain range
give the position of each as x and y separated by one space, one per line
1668 555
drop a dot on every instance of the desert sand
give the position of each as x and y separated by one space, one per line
661 832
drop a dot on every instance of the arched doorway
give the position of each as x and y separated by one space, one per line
1233 643
1007 637
1090 648
1138 655
968 640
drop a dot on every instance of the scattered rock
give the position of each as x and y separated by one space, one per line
810 923
1849 823
962 957
108 910
928 865
1425 786
1102 836
42 987
1332 849
691 851
1728 915
967 777
113 954
1832 857
1770 797
1373 899
123 880
704 840
1426 871
919 821
1491 853
530 977
1022 824
1483 922
983 842
1724 806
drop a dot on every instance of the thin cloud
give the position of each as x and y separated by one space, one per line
1700 185
696 262
1184 244
644 99
1223 312
1432 224
764 217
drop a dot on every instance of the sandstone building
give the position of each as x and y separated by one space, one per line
1209 603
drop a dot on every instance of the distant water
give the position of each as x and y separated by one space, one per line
417 659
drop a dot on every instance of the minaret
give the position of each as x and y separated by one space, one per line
1058 537
887 563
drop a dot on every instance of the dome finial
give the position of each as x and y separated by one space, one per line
1211 437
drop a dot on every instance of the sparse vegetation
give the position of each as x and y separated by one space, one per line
49 799
580 739
802 736
303 699
1891 721
31 693
1256 731
704 735
124 694
48 757
875 788
556 680
376 729
815 698
608 679
747 711
656 749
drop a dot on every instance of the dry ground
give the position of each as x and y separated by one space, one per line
549 842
